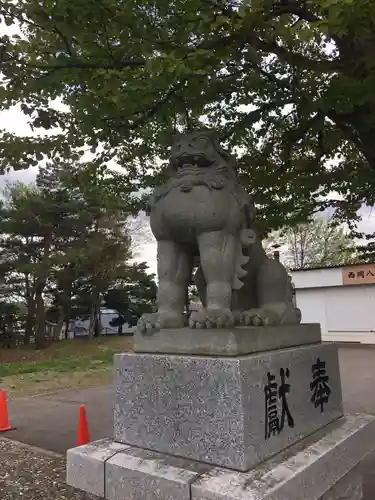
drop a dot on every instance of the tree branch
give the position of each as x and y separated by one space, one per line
128 63
273 47
147 112
293 58
252 117
290 7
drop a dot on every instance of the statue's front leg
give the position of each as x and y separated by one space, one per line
217 259
174 271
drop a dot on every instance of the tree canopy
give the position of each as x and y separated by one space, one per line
287 84
317 243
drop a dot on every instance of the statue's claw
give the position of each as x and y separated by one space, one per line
259 317
211 318
153 322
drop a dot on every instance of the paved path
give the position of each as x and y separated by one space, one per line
50 421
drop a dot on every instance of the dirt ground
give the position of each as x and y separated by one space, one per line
28 473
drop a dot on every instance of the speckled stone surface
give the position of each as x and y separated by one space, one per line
213 409
324 466
137 474
348 488
307 471
85 465
217 342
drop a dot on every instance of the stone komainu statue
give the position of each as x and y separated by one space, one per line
202 212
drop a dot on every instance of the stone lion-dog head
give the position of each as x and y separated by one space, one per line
199 154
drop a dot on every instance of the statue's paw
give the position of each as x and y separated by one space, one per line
237 316
211 318
259 317
153 322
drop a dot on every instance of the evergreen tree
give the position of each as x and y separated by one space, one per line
133 296
64 242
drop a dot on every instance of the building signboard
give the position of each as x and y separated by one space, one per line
359 275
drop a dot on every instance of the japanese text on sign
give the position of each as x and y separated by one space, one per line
359 275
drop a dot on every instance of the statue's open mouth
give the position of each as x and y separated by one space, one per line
186 160
188 168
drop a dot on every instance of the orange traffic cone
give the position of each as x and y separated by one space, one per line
4 420
83 428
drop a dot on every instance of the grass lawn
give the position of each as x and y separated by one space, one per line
61 365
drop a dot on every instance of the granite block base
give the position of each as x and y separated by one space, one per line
350 487
138 474
85 465
227 342
324 466
319 468
233 412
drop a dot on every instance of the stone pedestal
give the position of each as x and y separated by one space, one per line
254 418
251 406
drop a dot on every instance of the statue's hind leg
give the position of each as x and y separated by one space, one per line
217 259
174 271
274 296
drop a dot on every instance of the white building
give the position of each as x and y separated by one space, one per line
341 299
80 326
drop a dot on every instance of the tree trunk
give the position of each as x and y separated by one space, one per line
67 308
40 317
93 313
94 325
30 317
40 311
60 322
57 329
92 322
98 324
66 321
30 321
66 329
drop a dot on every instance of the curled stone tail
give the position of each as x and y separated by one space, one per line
239 272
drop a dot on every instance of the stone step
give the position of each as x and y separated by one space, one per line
324 466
